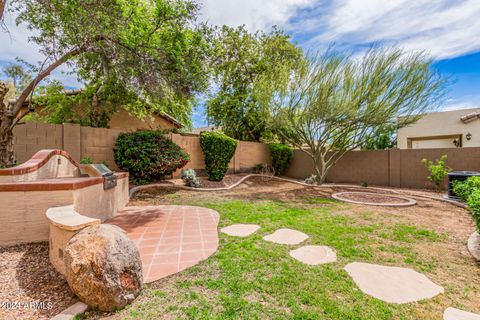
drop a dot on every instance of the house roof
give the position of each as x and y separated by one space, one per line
164 115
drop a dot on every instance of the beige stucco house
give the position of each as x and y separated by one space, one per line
449 129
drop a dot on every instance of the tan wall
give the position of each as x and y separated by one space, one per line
396 168
122 120
438 129
98 143
23 214
32 137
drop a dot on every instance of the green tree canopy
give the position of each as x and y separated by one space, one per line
248 70
151 49
336 103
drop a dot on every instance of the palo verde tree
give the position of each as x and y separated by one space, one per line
150 48
335 103
247 70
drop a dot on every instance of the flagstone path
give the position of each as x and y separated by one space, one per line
240 230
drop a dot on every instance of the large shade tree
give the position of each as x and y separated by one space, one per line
248 68
151 49
335 102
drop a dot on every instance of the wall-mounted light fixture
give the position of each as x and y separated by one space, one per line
468 136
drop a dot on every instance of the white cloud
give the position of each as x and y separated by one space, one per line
443 28
254 14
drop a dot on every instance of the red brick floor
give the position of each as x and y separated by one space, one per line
170 238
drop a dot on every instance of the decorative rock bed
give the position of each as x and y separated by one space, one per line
374 199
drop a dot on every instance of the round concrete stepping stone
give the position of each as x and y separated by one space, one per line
286 236
457 314
392 284
240 230
314 255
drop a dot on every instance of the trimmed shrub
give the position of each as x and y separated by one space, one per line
86 160
148 155
281 156
469 191
463 189
218 149
473 202
313 179
189 176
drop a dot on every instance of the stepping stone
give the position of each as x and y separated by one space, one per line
314 255
457 314
392 284
240 230
286 236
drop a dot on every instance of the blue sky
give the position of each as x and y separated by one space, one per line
448 30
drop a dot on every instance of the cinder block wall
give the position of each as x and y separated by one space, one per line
395 168
98 143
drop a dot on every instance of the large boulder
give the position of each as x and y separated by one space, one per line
103 267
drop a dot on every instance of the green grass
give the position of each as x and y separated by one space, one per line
249 278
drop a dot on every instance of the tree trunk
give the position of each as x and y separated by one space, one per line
7 158
2 8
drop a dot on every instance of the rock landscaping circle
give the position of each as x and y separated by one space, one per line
314 255
240 230
374 199
474 245
286 236
457 314
392 284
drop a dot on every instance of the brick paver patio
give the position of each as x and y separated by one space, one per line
170 238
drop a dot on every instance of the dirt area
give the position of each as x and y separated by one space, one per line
371 198
227 181
436 215
30 287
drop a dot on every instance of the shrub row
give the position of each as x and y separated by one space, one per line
469 191
148 155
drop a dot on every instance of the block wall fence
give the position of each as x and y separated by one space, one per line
396 168
98 143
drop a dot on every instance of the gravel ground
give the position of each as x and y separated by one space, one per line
30 287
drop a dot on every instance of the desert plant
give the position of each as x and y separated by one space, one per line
259 168
189 176
86 160
281 156
313 179
438 171
218 149
148 155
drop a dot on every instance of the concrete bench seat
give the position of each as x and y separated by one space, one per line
68 219
65 222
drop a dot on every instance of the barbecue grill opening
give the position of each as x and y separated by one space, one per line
109 177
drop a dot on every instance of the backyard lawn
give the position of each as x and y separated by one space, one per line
251 278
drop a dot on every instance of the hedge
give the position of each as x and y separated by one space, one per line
469 191
148 155
218 149
281 156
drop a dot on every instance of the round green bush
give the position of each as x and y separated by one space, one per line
218 149
281 156
148 155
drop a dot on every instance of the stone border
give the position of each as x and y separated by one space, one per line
72 311
474 245
410 202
